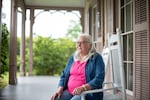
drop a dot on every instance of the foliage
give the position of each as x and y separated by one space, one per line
74 29
4 50
3 80
18 53
50 56
26 53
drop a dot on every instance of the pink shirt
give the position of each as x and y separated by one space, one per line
77 76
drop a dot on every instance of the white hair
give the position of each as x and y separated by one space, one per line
88 39
86 36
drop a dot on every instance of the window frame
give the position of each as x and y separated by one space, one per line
123 9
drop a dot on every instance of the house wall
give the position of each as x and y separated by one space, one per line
109 18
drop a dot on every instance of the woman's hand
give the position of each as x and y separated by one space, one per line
78 90
57 94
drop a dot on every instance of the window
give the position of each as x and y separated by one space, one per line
127 36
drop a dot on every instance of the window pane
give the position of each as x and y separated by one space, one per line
125 47
122 20
131 16
130 77
125 72
130 48
122 3
128 18
128 1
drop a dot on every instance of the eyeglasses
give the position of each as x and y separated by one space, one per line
81 42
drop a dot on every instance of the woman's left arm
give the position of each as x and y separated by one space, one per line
98 72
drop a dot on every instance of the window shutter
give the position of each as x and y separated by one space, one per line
140 11
142 67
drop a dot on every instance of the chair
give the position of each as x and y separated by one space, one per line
118 81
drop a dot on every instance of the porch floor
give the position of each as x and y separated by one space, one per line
34 88
30 88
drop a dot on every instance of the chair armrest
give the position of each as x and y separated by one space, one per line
106 83
95 91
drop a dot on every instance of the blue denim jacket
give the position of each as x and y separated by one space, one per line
94 73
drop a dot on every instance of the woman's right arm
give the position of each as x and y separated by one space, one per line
63 79
58 93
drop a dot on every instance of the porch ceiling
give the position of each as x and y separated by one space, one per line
55 3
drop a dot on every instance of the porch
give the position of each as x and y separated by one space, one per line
33 88
98 17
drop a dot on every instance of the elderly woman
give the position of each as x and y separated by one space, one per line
84 71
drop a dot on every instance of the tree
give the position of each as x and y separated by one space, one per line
4 50
74 29
50 56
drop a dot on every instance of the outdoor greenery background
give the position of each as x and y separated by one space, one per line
49 55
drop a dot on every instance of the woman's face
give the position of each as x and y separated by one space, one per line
82 45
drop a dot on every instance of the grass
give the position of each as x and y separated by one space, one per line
4 80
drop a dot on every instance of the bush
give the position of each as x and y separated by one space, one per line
4 50
50 56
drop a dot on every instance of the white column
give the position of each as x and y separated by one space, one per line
30 43
22 48
82 20
12 44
